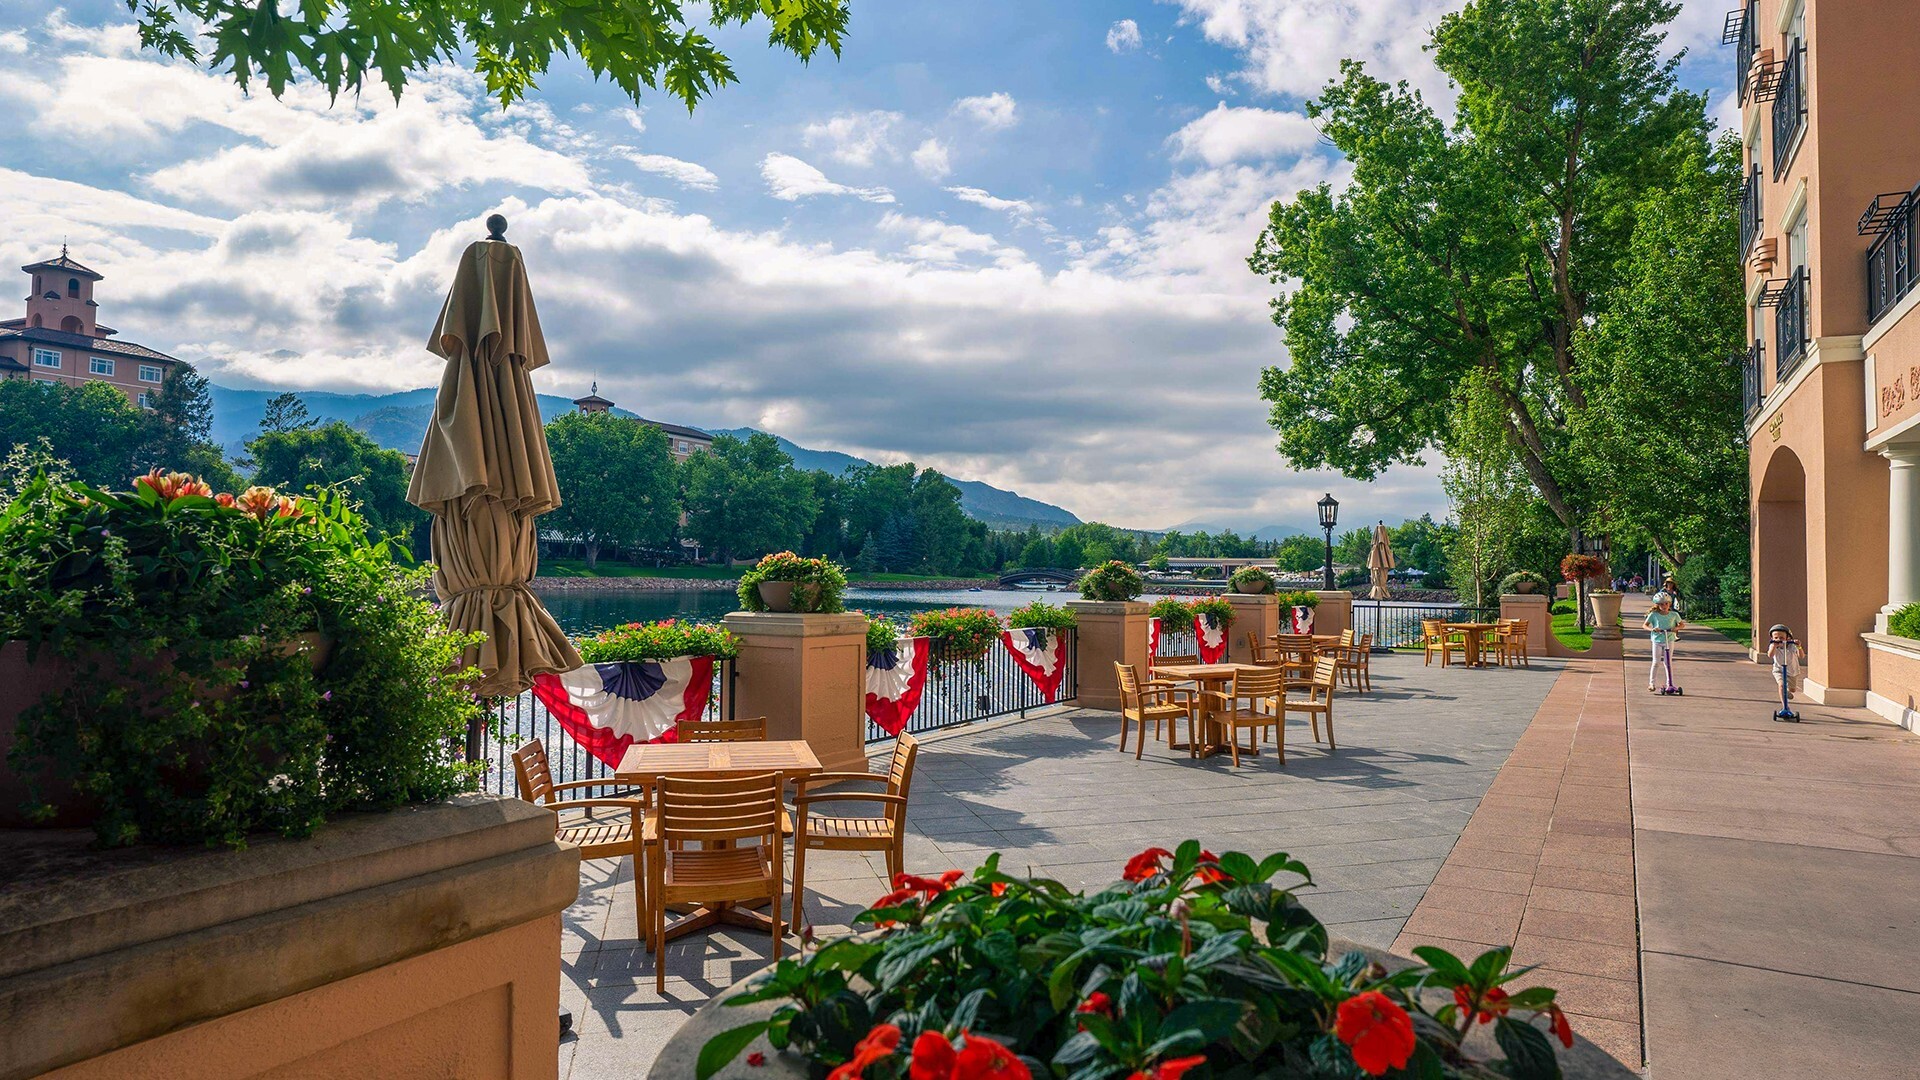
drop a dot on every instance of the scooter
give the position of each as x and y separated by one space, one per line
1670 689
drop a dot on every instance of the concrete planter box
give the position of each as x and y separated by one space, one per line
1606 615
420 942
676 1061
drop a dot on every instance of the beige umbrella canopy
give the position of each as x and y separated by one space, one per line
484 472
1380 561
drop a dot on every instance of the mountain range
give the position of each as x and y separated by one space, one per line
396 421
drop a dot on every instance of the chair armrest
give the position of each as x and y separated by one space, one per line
803 782
608 781
800 802
633 806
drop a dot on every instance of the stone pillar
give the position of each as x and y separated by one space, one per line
1335 612
1535 609
806 674
1110 632
1903 530
1253 613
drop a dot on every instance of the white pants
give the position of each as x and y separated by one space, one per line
1662 655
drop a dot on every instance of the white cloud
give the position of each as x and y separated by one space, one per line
855 138
931 158
943 242
1219 86
991 111
1230 134
791 179
13 41
685 173
980 197
1123 36
636 117
1295 46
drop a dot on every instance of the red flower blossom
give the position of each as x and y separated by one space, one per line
1484 1010
1146 864
1171 1070
932 1057
1379 1032
879 1045
756 1059
224 499
983 1059
171 486
998 888
1562 1030
1208 871
1097 1002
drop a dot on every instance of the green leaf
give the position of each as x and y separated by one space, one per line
724 1047
1529 1055
1448 970
1081 1047
1533 997
1240 867
1486 970
1213 1018
969 1007
1423 1065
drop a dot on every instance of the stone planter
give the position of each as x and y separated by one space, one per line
788 596
676 1061
1606 615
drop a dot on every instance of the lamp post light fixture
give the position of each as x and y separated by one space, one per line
1329 516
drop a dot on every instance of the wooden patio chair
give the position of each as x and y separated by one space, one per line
884 832
1263 653
752 729
1435 637
1140 703
1296 654
1512 644
1319 699
1252 703
1154 678
736 822
614 835
1353 661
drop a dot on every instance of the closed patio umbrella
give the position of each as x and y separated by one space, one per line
484 472
1380 562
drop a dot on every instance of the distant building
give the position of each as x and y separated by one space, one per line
61 340
683 441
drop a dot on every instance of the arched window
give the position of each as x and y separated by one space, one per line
72 324
73 286
36 320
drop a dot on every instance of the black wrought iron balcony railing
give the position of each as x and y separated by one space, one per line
1790 325
1742 30
1750 210
1789 107
1893 221
1750 367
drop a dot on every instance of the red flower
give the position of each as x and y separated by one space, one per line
224 499
879 1044
756 1059
1146 864
1175 1069
932 1057
998 888
981 1058
1487 1008
1097 1002
1208 871
1379 1033
1562 1030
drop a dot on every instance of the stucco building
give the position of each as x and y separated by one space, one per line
1833 369
682 440
60 339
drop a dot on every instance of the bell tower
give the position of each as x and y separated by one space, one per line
62 296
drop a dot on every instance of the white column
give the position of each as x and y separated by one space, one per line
1903 529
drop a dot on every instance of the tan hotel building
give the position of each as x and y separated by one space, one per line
60 338
1828 229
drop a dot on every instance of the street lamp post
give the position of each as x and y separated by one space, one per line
1329 515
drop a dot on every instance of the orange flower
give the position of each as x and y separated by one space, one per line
998 888
879 1045
171 486
1208 871
1379 1032
1562 1030
224 499
259 502
1146 864
1484 1010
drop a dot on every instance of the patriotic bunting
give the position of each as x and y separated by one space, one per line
895 679
1153 643
1036 650
609 707
1302 620
1211 635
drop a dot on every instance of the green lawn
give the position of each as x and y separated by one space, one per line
612 568
1567 629
1739 631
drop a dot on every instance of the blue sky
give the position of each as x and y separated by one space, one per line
1004 239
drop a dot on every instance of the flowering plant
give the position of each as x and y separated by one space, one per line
958 633
1251 579
820 583
1218 607
1112 580
1306 598
882 635
225 663
1577 567
1175 614
1191 965
661 640
1042 615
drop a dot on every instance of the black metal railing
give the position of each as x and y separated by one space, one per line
1790 325
1750 363
512 721
1890 260
1789 107
961 689
1750 210
1397 624
1743 28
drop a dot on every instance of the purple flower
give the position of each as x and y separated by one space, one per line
244 684
328 696
306 590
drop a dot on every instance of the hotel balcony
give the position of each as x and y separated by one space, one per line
1788 297
1750 224
1785 85
1890 220
1750 367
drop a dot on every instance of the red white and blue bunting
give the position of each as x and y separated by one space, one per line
1153 643
1211 635
895 680
1302 620
1037 651
609 707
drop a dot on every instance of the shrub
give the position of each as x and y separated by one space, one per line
1041 614
1736 592
1511 583
1173 613
1905 622
1207 962
882 635
1349 578
1218 607
200 713
958 633
1251 579
1306 598
1560 607
1111 580
1206 573
662 640
828 581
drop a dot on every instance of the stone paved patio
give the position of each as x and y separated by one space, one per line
1375 821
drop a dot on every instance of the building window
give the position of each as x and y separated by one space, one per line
684 448
73 286
46 358
99 365
150 373
145 400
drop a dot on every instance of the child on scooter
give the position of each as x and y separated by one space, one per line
1665 625
1784 654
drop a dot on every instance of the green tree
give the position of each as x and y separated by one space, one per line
618 487
1037 554
1068 554
101 434
180 431
898 545
344 44
1350 548
827 536
1484 247
875 493
1300 553
939 525
744 497
336 455
286 412
868 560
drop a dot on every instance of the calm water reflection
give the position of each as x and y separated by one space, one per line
585 612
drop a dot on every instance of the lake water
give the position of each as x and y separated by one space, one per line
584 612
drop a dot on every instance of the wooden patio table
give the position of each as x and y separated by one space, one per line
1475 633
645 763
1209 677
